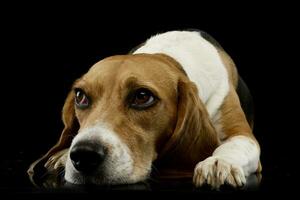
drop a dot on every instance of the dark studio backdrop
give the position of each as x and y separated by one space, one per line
45 49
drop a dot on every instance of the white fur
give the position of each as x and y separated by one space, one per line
118 166
199 59
230 163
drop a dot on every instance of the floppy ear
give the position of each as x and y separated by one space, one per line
194 137
70 129
37 169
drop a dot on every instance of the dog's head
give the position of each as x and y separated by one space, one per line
128 111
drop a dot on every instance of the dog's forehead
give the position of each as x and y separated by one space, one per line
118 68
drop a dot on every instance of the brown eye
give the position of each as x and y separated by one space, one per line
81 100
142 98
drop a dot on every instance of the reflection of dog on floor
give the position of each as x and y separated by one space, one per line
176 102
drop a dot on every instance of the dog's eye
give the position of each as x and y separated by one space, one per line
81 100
142 98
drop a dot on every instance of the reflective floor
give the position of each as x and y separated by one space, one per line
51 181
14 180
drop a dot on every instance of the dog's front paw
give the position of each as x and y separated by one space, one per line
216 172
57 161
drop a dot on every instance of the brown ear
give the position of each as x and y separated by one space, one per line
194 137
70 129
37 169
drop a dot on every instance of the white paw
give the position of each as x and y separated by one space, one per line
216 172
57 160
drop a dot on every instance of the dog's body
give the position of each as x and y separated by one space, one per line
174 101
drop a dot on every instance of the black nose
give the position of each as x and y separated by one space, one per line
87 156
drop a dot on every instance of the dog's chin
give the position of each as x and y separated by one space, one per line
103 177
101 180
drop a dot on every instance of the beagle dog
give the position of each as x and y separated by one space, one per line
176 103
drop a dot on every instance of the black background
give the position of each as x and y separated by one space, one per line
44 48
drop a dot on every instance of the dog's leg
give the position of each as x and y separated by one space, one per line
57 160
237 156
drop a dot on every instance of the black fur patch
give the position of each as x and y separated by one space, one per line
207 37
136 48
